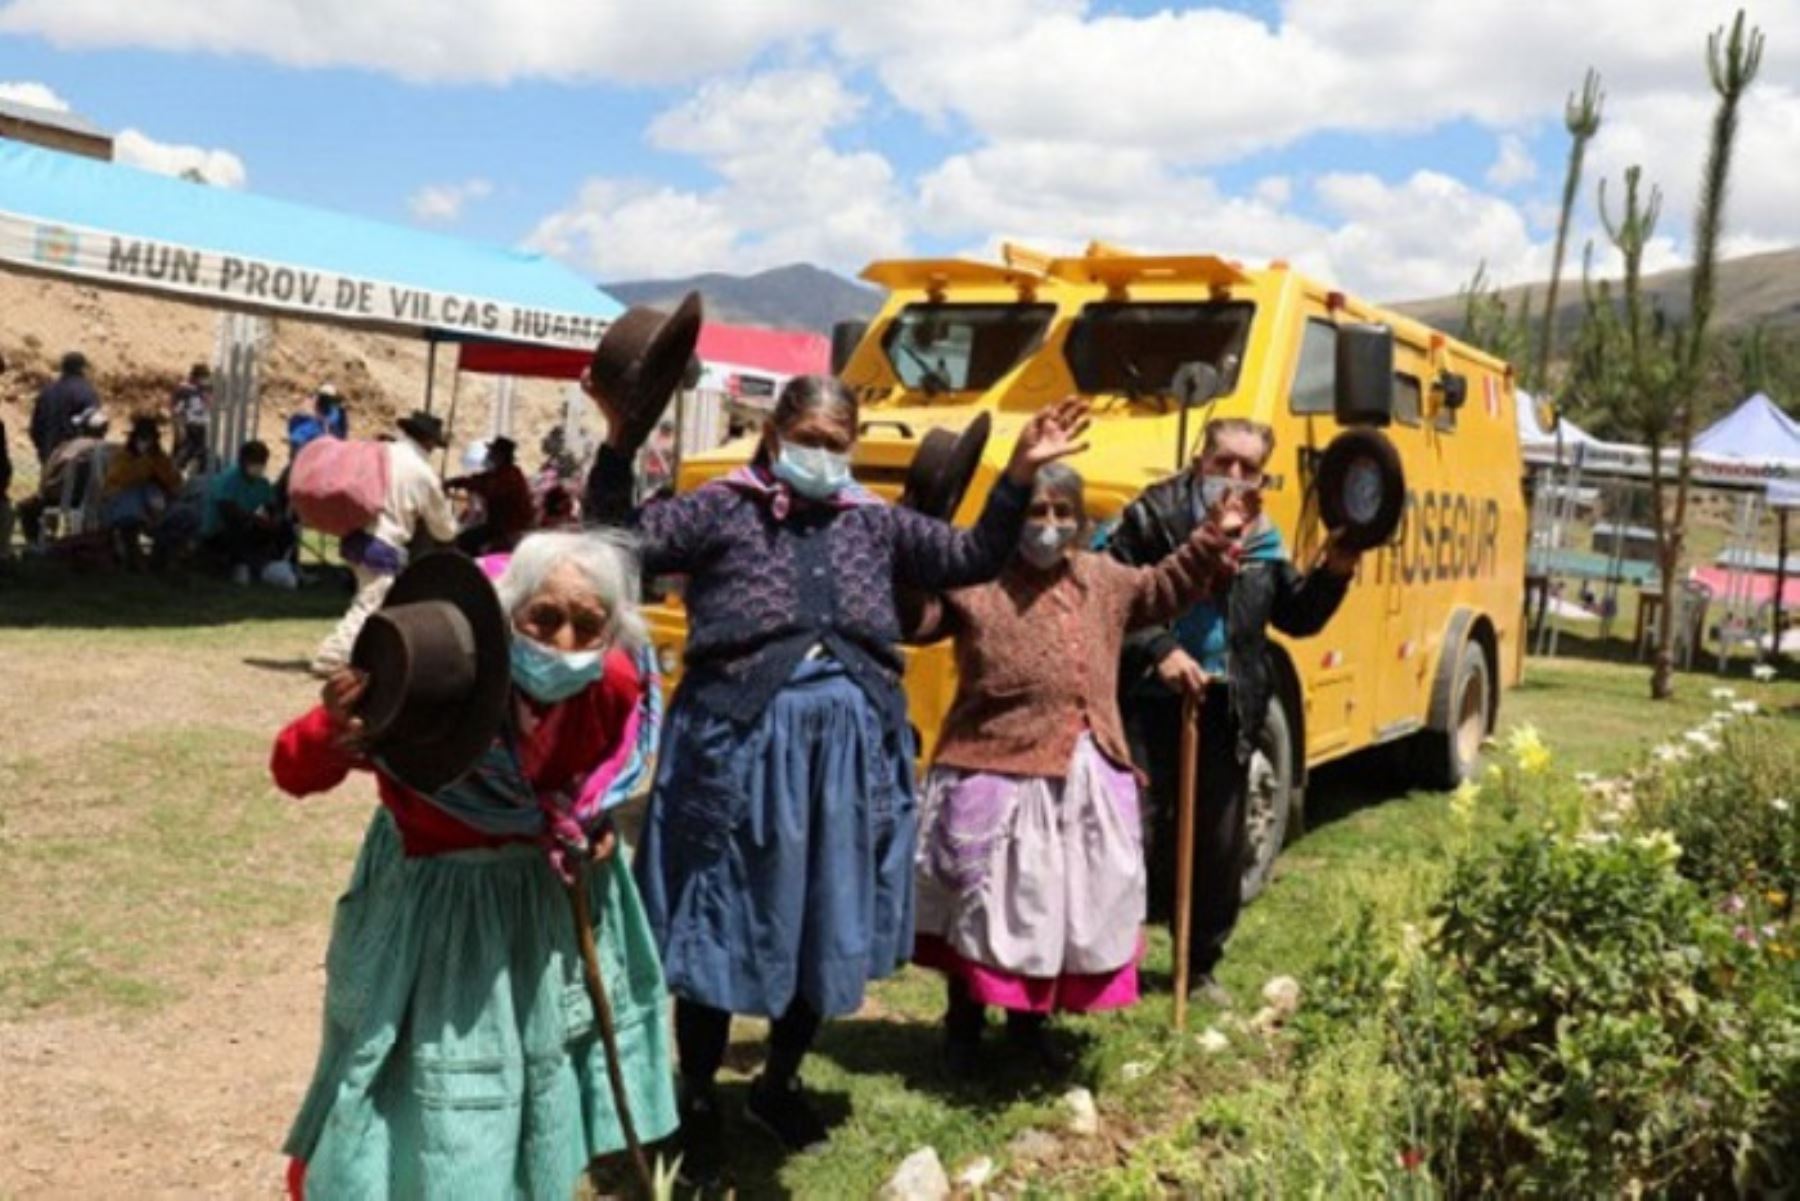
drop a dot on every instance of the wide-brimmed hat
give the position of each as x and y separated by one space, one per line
438 661
1362 488
943 468
640 361
427 429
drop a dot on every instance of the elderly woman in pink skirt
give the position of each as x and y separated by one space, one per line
1031 883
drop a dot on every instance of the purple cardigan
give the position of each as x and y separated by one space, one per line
763 589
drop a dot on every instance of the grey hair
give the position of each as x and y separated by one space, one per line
1060 479
606 560
1220 426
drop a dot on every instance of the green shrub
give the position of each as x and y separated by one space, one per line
1730 795
1579 1026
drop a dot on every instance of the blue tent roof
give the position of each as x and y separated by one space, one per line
1756 429
112 224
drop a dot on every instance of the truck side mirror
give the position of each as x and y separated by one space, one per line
1365 375
1195 383
846 336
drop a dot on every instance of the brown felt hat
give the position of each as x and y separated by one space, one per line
943 468
439 666
640 361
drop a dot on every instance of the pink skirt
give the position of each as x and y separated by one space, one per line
1032 890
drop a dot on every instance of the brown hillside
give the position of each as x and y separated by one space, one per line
141 347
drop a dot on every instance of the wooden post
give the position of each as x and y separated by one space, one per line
1184 854
1781 553
430 369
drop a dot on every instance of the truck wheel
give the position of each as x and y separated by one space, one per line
1448 756
1271 800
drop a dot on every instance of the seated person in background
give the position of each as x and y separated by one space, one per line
242 525
508 508
75 458
141 481
6 509
326 419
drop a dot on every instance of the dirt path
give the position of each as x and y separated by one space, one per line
192 1100
190 1097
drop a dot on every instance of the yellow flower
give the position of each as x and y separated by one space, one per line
1463 802
1528 749
1775 897
1662 843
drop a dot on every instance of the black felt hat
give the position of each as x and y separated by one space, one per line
427 429
943 468
1362 488
640 361
439 666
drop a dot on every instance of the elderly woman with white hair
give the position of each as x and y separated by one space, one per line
460 1054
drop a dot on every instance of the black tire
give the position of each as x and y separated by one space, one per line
1272 803
1448 756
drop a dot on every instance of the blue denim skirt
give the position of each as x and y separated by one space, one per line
776 856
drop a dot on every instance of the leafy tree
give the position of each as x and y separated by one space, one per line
1487 322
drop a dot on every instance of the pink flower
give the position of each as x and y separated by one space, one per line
1734 904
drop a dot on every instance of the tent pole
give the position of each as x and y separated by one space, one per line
450 422
1781 553
430 369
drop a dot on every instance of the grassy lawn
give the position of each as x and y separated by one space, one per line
141 845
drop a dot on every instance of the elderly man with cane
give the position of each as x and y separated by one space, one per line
1212 663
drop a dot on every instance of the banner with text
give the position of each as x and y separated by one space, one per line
255 283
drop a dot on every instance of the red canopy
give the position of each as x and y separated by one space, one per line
773 351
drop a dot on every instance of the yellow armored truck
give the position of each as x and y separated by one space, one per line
1430 633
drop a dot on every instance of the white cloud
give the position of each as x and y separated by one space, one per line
1513 165
38 95
443 203
785 193
220 168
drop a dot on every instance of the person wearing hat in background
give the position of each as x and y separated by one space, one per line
189 408
61 405
1215 653
508 510
501 721
75 457
776 861
141 483
416 507
241 524
1031 866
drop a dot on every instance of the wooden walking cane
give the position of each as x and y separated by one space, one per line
603 1020
1184 853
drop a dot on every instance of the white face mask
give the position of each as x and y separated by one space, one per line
812 471
1215 490
1043 544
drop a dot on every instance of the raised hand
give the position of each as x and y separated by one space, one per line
341 695
615 423
1053 433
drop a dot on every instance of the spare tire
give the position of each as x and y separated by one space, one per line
1362 488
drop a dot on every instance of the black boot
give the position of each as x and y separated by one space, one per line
964 1020
1028 1035
702 1137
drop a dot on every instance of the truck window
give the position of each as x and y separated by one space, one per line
1445 417
1408 396
937 348
1315 380
1135 349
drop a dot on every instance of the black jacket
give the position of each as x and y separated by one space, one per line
1265 592
59 406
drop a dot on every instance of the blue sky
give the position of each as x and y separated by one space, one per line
1388 145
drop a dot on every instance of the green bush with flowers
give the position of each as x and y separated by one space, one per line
1591 1011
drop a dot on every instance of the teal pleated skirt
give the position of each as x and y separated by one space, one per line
460 1058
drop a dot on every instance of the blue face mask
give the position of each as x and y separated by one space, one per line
549 675
812 471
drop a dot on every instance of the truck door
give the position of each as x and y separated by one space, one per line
1401 686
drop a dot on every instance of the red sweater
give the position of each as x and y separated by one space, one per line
560 744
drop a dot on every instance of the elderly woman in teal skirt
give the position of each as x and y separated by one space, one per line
460 1055
776 864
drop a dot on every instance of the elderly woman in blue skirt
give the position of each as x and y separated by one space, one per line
776 863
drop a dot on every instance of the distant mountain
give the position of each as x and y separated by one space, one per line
794 297
1759 289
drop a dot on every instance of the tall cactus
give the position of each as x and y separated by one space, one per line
1581 115
1732 61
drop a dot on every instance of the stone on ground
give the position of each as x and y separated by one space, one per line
920 1177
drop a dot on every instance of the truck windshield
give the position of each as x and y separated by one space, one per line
1135 349
937 348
